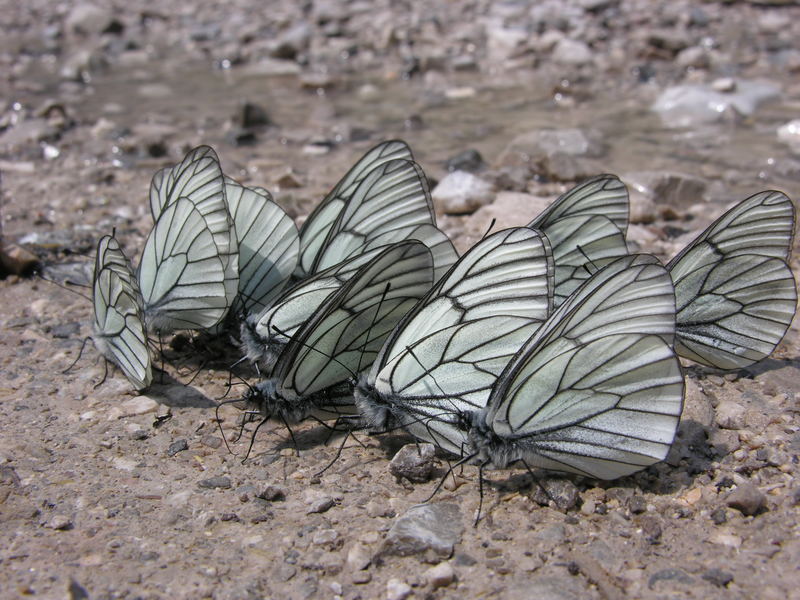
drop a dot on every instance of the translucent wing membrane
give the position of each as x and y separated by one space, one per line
603 195
316 228
392 196
735 292
598 389
181 274
118 329
734 312
268 245
446 353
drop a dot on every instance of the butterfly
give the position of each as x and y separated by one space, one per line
598 389
118 325
586 227
736 295
198 180
448 350
315 371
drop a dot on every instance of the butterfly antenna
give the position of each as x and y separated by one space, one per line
480 494
588 261
489 230
219 422
374 320
65 285
80 353
444 478
253 437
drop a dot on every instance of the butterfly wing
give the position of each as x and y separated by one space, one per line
734 312
199 179
315 229
444 356
392 196
347 332
118 329
581 245
598 389
268 245
729 319
181 274
603 195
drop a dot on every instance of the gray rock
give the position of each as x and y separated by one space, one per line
359 557
676 190
572 52
292 42
468 160
413 462
88 18
718 577
440 575
271 493
434 527
177 446
562 492
461 192
220 481
691 105
533 146
318 502
59 523
747 499
637 505
670 575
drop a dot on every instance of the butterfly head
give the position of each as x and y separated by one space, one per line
372 405
488 447
267 398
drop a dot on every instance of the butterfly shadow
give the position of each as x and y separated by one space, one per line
173 393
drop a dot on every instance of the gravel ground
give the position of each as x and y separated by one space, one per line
109 494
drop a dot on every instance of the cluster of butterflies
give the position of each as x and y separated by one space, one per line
547 344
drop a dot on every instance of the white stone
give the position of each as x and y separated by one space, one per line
462 192
572 52
441 575
397 590
141 405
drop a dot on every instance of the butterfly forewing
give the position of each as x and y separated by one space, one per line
268 245
181 274
315 229
394 195
603 195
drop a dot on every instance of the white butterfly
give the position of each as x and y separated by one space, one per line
199 180
736 295
314 372
598 389
448 350
118 326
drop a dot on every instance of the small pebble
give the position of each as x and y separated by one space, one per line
718 577
637 505
413 462
220 481
60 523
361 577
397 590
441 575
359 557
747 499
325 537
177 446
271 493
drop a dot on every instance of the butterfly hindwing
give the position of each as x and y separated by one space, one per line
181 274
